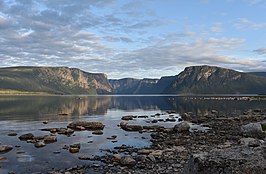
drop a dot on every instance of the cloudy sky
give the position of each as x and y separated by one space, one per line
133 38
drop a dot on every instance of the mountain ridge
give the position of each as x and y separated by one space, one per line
192 80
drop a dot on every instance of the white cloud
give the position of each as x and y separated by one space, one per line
244 23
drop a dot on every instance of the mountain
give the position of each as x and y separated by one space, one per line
216 80
263 74
133 86
55 80
193 80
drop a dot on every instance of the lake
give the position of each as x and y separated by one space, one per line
26 114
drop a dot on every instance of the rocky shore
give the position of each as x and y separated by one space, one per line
209 143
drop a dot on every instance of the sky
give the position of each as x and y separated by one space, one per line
134 38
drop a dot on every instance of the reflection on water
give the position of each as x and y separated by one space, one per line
24 114
49 107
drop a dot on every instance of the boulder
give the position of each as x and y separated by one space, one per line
5 148
127 161
26 137
252 129
182 127
87 125
50 139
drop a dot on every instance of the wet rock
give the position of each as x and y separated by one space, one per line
45 122
129 117
5 148
123 124
98 132
127 161
2 158
12 134
252 129
65 131
73 150
26 137
182 127
87 125
132 128
50 139
39 144
112 137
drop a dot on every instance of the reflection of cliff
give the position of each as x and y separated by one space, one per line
45 107
38 106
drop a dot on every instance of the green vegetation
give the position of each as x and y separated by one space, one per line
263 126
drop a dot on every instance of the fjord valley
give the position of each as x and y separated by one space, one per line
192 80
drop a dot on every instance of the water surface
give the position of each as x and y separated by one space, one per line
25 114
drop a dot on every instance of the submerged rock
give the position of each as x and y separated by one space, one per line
26 137
5 148
87 125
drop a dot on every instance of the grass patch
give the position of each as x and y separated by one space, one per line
15 92
263 126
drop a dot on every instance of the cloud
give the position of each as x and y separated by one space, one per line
261 51
244 23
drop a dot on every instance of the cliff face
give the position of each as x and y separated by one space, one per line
216 80
133 86
59 80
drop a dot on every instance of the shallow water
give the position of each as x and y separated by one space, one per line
25 114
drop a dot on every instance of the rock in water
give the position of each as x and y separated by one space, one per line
87 125
182 127
127 161
39 144
5 148
26 137
50 139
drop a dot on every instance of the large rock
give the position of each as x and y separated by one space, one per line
127 161
5 148
252 129
87 125
50 139
132 127
182 127
26 137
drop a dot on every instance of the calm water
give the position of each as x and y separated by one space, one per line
25 114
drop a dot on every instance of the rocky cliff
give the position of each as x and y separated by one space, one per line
56 80
216 80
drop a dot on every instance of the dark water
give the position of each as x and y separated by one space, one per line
25 114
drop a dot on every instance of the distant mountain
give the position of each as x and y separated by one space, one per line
56 80
133 86
263 74
216 80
